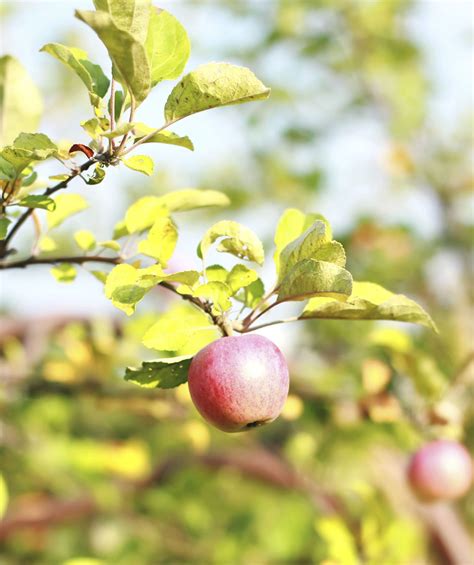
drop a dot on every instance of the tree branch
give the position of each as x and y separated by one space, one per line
53 260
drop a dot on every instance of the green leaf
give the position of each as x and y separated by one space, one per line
211 86
241 276
38 201
17 115
27 148
167 46
64 272
92 76
311 278
125 287
4 223
253 294
7 170
130 63
141 163
290 226
218 293
66 206
178 328
128 15
369 301
161 241
168 137
29 180
163 373
143 213
97 176
239 241
313 243
85 240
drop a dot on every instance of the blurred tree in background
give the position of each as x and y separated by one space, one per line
95 468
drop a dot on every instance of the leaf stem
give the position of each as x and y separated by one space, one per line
275 322
248 319
130 120
145 138
112 115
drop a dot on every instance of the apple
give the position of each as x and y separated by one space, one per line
441 470
239 382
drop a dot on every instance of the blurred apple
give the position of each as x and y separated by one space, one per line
441 470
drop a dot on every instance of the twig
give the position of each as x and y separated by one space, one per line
274 323
22 219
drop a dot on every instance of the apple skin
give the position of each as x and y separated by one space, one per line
239 382
441 470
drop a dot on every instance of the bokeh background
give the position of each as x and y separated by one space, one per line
370 124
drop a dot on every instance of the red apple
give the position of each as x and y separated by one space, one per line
239 382
441 470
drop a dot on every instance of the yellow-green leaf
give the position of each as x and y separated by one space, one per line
110 244
165 136
315 278
91 74
66 206
127 52
85 240
178 328
313 243
167 46
161 241
290 226
218 293
64 272
17 116
241 276
143 213
3 496
369 301
141 163
211 86
125 286
237 240
132 16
